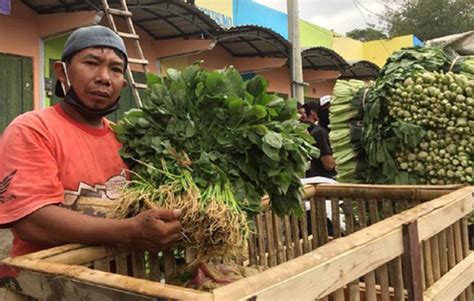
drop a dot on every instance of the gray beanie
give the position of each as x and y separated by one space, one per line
91 36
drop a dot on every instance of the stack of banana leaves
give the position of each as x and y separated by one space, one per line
345 116
419 119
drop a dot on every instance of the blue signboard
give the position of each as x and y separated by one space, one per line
5 7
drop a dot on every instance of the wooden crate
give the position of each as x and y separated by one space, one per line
398 243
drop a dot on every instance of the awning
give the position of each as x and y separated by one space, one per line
161 19
253 41
165 19
321 58
361 70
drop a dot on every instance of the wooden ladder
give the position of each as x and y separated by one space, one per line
131 35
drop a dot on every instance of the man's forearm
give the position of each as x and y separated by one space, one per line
54 225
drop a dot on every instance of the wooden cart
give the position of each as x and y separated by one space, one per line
396 243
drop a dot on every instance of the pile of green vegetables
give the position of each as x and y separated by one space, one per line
212 144
345 115
419 119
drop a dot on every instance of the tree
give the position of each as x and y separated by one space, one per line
366 34
428 19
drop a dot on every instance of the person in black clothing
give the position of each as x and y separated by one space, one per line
325 165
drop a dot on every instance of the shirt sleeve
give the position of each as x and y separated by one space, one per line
28 173
322 141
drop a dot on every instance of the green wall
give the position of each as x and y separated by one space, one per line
52 51
313 35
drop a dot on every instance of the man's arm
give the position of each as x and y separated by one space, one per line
322 143
153 230
328 162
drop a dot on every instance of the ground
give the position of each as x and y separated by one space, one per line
5 245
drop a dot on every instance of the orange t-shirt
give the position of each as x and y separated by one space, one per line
47 158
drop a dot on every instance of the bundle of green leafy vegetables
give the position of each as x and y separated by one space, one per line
212 144
419 119
345 115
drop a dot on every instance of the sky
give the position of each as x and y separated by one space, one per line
338 15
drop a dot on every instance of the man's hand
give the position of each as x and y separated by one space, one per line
155 229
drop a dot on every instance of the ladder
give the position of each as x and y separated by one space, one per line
131 35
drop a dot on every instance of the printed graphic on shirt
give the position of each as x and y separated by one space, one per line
4 184
95 200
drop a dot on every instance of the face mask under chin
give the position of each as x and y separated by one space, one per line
72 99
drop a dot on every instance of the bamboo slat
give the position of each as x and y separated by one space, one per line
397 279
102 265
278 238
138 264
252 249
154 265
295 232
272 261
435 258
451 247
261 241
428 265
314 223
303 225
458 242
290 254
443 252
354 291
336 220
339 295
466 252
370 291
169 263
121 264
382 279
321 218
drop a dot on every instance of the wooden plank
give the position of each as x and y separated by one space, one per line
434 223
272 261
343 259
55 251
261 241
58 276
453 283
411 261
362 214
44 286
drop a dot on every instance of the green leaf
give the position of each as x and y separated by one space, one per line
256 86
273 139
271 152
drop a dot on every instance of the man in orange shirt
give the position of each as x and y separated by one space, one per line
54 160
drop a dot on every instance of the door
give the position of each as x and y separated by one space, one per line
16 87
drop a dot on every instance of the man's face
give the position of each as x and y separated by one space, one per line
302 114
97 75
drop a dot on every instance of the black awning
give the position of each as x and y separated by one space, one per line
253 41
321 58
361 70
161 19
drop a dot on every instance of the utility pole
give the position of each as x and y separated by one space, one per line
297 84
